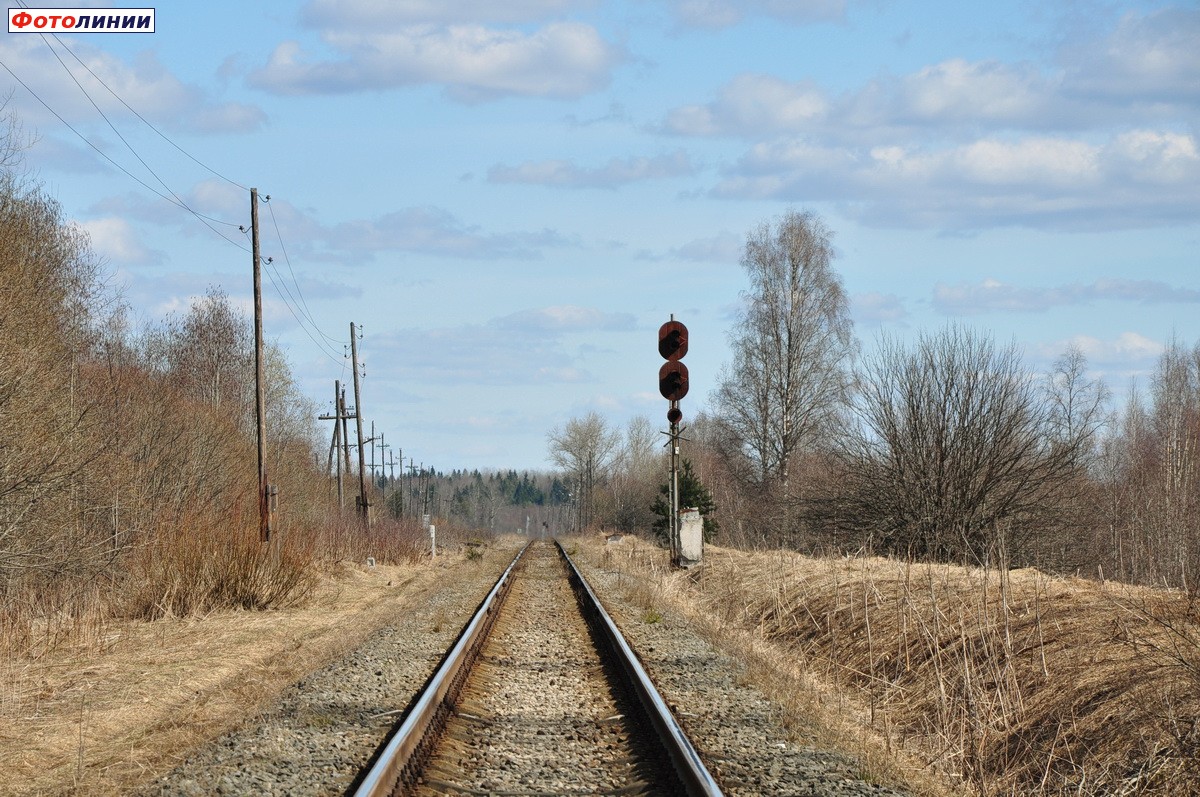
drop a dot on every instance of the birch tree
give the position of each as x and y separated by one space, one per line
584 449
792 347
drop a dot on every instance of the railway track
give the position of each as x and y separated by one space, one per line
540 695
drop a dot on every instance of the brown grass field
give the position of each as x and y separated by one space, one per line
950 679
943 680
112 708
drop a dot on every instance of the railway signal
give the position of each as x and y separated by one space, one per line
673 382
673 375
673 385
672 340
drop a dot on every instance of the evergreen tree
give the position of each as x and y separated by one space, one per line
559 494
692 495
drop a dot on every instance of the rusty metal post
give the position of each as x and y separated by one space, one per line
675 489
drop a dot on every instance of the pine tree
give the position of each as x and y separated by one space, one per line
692 495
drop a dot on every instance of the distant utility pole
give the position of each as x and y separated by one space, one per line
335 446
400 508
381 477
412 483
371 440
364 507
265 492
383 449
345 413
425 478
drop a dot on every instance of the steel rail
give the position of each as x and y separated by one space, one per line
407 742
402 756
694 776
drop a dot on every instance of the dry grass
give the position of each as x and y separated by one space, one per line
1006 682
102 714
195 569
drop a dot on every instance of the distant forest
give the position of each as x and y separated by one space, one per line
490 500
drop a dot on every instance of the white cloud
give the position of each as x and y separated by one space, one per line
1145 71
474 63
1042 162
517 349
214 198
1127 354
953 92
994 296
564 318
435 231
874 309
722 248
373 15
425 229
114 239
754 105
1138 178
724 13
1150 58
615 173
1154 157
144 84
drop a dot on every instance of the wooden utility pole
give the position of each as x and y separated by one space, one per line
260 405
400 508
335 446
345 431
382 479
364 507
337 443
412 484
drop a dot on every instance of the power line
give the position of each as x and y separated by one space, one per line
132 110
118 166
281 288
178 200
291 271
277 280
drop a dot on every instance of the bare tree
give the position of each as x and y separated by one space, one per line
48 418
1148 481
955 451
584 448
637 469
209 353
791 352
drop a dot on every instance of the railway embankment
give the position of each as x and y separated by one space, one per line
952 679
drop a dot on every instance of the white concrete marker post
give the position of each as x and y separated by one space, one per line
691 537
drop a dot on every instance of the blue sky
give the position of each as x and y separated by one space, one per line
510 198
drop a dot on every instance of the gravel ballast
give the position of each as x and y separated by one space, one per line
326 727
733 726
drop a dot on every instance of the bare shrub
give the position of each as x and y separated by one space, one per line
50 419
954 453
188 568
